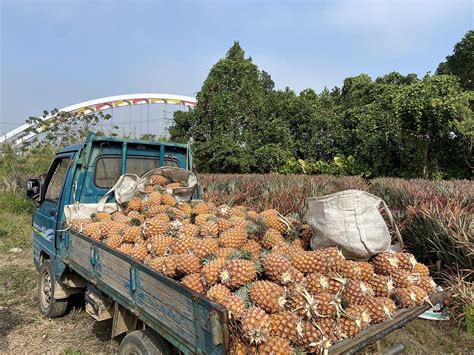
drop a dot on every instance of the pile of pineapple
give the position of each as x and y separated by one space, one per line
280 296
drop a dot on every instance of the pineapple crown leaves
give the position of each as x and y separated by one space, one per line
207 259
135 222
256 227
243 294
241 254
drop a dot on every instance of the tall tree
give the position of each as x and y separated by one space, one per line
461 62
229 115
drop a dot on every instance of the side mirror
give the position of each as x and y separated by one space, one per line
33 189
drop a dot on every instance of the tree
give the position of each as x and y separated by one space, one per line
461 62
228 115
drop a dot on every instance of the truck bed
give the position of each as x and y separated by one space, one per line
188 320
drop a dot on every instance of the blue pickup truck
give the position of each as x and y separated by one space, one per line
159 314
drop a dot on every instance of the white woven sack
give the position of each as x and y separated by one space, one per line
351 221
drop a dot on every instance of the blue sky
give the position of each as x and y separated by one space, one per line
58 53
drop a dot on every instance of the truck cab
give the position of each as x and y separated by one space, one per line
69 263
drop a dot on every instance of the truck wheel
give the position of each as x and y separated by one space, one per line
145 342
48 305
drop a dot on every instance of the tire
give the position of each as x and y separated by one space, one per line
145 342
48 305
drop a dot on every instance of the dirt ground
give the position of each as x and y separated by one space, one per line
24 330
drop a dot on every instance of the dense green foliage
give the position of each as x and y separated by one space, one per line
461 62
394 125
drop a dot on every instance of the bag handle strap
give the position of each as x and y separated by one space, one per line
392 222
104 198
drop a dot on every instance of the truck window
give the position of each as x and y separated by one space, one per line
55 183
108 169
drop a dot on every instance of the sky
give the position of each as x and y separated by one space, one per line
58 53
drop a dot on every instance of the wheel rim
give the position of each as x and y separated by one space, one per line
45 290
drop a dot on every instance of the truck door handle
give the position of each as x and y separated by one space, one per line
52 212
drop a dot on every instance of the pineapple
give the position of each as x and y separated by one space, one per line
223 224
403 278
182 245
283 324
278 269
120 217
239 222
329 328
385 263
238 211
188 231
158 180
218 293
175 185
276 346
252 214
211 271
406 261
421 270
115 241
155 209
334 258
110 228
209 229
205 247
153 199
356 319
284 249
267 295
252 247
381 285
135 218
194 282
310 338
79 223
160 245
156 226
135 204
185 208
188 264
255 325
322 305
319 283
409 296
310 261
200 219
235 305
356 292
233 238
126 248
169 200
132 234
101 216
201 208
237 273
380 308
271 238
273 219
426 283
93 230
139 252
356 270
225 253
238 347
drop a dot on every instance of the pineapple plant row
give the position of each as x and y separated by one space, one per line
281 296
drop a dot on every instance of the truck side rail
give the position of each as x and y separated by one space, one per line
377 331
188 320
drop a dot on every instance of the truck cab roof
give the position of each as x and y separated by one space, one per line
77 147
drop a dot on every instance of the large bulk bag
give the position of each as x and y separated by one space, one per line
351 221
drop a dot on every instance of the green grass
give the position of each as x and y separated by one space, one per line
19 284
15 231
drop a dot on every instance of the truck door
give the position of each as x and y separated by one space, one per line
45 217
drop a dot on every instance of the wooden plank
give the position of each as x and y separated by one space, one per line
155 287
378 331
115 280
109 258
181 326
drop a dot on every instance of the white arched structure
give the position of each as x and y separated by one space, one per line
104 104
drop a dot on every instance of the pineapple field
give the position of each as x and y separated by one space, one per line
248 243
